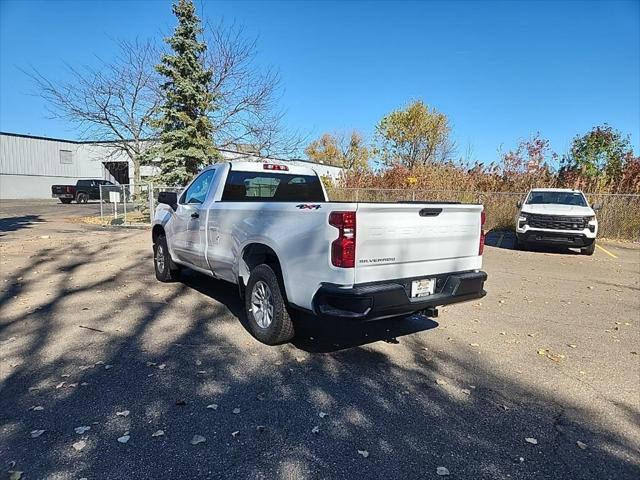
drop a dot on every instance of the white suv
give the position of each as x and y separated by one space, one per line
556 216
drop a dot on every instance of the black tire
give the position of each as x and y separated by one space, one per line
66 201
280 328
589 249
166 270
82 198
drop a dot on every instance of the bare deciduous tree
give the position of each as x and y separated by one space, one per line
247 116
111 103
116 101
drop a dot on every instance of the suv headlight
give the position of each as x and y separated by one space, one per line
522 219
591 223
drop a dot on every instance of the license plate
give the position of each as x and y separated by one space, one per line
423 287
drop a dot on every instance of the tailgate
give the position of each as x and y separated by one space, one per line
58 189
396 241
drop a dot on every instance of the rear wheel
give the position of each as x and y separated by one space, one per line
166 270
589 249
66 201
265 307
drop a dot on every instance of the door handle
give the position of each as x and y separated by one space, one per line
195 215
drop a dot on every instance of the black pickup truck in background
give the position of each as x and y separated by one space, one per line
83 191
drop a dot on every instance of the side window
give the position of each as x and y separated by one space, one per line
197 191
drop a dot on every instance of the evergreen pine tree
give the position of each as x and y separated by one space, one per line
186 132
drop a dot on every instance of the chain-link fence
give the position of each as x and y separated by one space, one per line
130 204
619 216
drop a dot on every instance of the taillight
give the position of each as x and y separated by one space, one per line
343 249
275 166
482 220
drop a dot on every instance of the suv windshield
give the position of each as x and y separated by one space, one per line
558 198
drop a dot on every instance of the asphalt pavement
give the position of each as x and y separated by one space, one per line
539 379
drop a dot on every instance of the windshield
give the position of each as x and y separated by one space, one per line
558 198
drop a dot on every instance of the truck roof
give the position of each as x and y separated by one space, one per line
555 190
245 166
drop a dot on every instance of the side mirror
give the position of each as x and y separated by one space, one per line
596 206
519 203
168 198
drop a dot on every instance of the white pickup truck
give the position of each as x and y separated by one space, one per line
557 216
269 228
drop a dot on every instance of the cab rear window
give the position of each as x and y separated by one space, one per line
271 187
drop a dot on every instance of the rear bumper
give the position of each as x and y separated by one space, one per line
564 239
62 195
388 299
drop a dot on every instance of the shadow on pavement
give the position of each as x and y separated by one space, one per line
164 353
11 224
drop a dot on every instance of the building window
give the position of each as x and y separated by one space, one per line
66 156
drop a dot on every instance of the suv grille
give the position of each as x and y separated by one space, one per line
555 222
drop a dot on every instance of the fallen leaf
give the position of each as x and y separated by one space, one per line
158 433
542 351
364 453
16 475
235 434
236 410
151 364
572 345
198 362
442 471
466 391
36 408
124 413
260 428
581 445
197 439
36 433
107 367
81 430
60 385
213 406
441 382
474 344
531 440
315 429
124 438
79 445
162 366
322 414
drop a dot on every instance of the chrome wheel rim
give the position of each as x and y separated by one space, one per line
262 304
160 258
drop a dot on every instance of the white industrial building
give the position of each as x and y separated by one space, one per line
29 165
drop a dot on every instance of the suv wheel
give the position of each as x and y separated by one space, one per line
265 307
589 249
166 270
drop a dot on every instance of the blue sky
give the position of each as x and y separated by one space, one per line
501 71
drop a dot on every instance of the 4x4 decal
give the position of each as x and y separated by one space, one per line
308 206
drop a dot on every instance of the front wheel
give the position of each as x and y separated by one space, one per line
265 307
165 269
589 249
82 198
